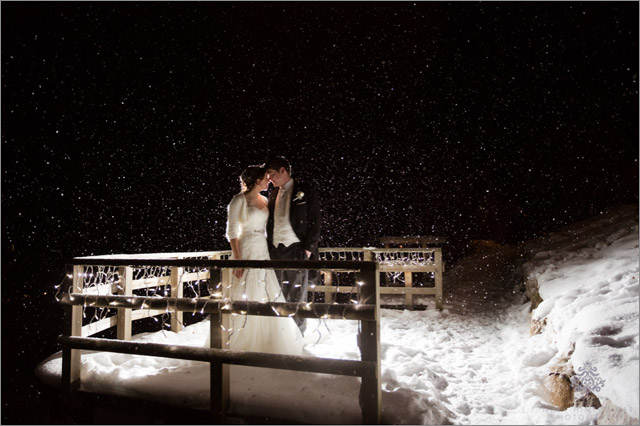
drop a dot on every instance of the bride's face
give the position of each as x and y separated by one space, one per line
263 183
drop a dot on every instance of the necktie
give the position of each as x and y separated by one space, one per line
281 203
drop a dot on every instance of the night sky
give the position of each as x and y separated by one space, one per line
125 127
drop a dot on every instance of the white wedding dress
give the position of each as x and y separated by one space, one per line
278 335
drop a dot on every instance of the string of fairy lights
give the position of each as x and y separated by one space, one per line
393 258
155 282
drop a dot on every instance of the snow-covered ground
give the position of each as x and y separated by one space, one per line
587 276
473 363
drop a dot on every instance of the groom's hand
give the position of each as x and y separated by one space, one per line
308 254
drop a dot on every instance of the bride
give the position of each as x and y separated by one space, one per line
247 217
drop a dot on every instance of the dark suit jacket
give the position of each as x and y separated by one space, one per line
304 214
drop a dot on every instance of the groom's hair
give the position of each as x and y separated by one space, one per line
276 162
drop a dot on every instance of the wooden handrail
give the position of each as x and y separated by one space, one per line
220 264
342 367
362 312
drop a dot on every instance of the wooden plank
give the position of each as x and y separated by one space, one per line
422 291
426 250
124 314
408 268
219 371
194 276
374 249
408 283
146 313
439 270
424 241
336 289
214 285
328 280
227 276
166 279
177 255
369 343
206 305
350 265
151 282
340 367
101 325
103 288
428 291
71 359
176 291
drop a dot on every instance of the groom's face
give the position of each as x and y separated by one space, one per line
277 177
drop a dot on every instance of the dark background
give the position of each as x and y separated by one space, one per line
125 127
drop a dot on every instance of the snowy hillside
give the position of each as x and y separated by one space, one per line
473 363
587 279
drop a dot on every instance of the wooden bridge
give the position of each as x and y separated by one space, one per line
116 289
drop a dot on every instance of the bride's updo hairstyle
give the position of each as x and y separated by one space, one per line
250 176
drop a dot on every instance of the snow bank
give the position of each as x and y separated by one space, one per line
587 276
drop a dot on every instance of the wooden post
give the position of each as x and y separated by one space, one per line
71 361
215 278
124 314
369 342
329 296
385 276
408 283
437 255
219 376
367 256
176 291
227 274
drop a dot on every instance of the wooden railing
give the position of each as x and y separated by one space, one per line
393 261
117 274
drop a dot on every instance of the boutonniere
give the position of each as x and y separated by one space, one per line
299 196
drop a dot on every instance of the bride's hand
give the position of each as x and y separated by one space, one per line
238 272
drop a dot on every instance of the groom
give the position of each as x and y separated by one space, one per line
293 229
